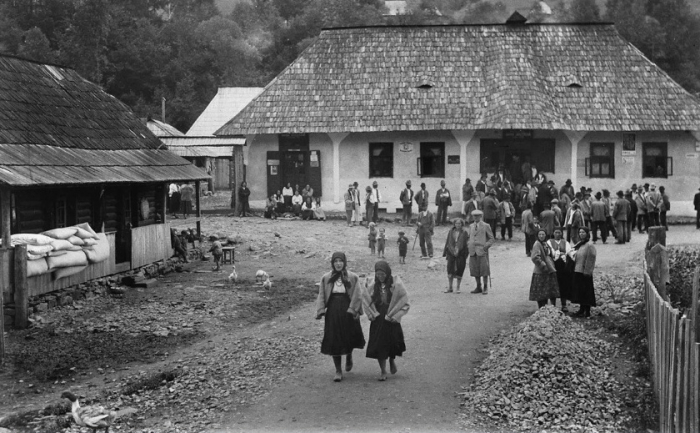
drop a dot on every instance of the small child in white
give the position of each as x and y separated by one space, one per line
381 243
217 251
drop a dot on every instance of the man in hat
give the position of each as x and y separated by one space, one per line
506 211
357 210
654 202
598 219
609 207
665 206
422 197
489 207
620 214
349 199
527 226
374 199
586 208
470 206
557 211
548 220
696 203
567 189
480 240
467 190
443 200
425 229
406 198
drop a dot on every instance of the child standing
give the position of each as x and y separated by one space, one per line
372 237
217 251
403 247
381 242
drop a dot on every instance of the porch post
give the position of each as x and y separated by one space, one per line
463 138
336 138
197 185
575 138
5 208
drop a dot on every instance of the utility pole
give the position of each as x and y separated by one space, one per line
162 109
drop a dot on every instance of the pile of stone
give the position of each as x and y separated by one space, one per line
547 373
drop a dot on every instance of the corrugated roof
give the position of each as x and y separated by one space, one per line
213 147
58 128
227 102
581 77
161 129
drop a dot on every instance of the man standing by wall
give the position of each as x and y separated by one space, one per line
443 200
467 190
374 199
425 229
620 214
422 197
407 202
480 240
357 211
665 206
598 219
654 202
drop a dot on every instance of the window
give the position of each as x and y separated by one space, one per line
655 162
432 160
381 160
602 160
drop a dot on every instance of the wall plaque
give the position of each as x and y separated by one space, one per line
453 159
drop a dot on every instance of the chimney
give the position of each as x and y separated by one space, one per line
516 19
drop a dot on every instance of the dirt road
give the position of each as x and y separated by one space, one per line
444 336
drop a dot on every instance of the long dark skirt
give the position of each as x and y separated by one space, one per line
175 202
341 332
385 338
564 279
456 265
582 289
543 287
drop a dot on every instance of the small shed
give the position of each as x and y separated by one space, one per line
70 153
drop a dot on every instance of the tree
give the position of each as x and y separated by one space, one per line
36 46
584 11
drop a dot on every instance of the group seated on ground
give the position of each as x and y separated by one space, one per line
306 208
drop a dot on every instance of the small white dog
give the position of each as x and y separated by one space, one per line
234 276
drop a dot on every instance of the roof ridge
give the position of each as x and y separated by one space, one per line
601 23
24 59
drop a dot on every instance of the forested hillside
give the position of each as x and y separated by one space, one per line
182 50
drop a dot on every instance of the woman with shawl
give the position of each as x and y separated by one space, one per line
582 285
340 301
456 253
307 209
544 285
385 302
563 263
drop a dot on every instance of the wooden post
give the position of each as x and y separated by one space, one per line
657 260
164 207
21 288
5 222
657 235
197 193
695 329
237 175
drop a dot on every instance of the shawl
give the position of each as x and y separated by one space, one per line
398 307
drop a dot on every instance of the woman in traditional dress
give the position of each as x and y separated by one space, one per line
340 301
456 253
582 284
385 302
563 262
543 285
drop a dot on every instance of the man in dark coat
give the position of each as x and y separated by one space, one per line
407 202
598 219
490 208
620 215
443 200
425 230
422 197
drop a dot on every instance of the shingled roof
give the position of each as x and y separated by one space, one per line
582 77
58 128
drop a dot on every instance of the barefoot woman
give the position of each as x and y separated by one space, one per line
385 302
340 300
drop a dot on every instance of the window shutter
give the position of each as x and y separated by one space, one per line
274 177
314 177
669 166
419 166
588 166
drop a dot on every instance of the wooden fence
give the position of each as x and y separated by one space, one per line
675 358
150 244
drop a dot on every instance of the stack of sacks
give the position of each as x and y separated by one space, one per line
74 247
38 247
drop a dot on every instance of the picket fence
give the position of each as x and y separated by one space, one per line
675 359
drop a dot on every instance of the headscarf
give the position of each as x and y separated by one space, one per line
343 273
583 241
383 266
544 243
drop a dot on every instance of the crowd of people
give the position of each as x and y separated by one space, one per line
291 203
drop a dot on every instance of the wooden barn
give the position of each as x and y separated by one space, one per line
70 153
428 103
221 157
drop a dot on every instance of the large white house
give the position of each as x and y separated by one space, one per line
428 103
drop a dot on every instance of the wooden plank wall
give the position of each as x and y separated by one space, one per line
674 354
221 174
40 284
150 244
8 262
